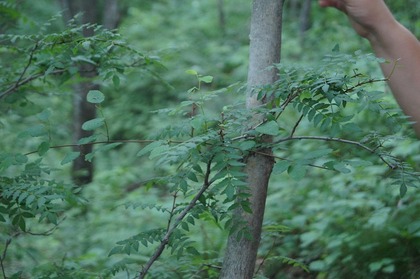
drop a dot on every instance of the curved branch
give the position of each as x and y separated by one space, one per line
356 143
20 82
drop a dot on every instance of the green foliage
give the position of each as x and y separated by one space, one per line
167 183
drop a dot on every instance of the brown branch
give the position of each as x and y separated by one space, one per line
178 220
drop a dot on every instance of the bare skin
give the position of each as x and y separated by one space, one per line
390 40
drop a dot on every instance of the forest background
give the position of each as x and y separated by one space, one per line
346 221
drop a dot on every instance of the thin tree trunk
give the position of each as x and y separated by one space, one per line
111 15
222 18
265 43
82 170
305 18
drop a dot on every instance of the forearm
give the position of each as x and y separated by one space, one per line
401 49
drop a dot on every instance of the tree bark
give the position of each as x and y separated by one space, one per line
305 18
111 16
82 170
265 43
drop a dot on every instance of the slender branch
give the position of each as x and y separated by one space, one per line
373 151
31 56
3 257
364 83
99 142
22 82
286 102
171 213
47 232
178 220
296 125
285 159
266 257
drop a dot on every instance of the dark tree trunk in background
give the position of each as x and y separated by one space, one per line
300 11
82 170
222 17
111 15
265 43
305 18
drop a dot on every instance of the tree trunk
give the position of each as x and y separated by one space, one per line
111 15
222 18
82 170
305 18
265 43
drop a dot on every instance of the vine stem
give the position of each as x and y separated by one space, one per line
177 221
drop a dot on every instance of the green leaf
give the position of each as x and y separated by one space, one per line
269 128
43 148
20 159
87 140
116 80
81 58
70 157
37 131
115 250
325 88
317 154
184 225
95 97
191 72
148 148
281 166
158 151
93 124
44 115
191 176
191 250
247 145
19 221
206 79
29 200
297 172
86 45
403 190
341 167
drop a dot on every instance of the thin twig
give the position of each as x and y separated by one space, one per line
47 232
99 142
265 257
178 220
21 82
373 151
3 257
296 125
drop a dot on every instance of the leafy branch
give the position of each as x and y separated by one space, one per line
177 221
